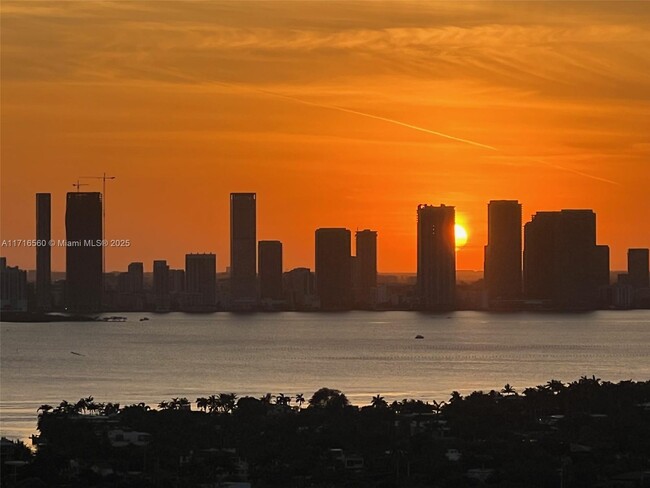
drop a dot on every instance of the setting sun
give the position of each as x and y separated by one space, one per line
461 236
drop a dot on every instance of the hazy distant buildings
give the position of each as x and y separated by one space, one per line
638 274
334 268
200 281
300 289
243 250
562 263
176 281
130 288
133 280
162 301
502 265
436 273
270 270
43 251
13 287
365 284
84 251
176 288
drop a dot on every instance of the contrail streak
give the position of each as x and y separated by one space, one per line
411 126
574 171
390 121
364 114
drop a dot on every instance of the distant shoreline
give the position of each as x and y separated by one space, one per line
36 317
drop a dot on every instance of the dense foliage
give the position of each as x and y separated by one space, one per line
583 434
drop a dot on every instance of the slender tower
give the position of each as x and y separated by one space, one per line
366 283
270 270
436 280
243 250
334 268
503 251
43 251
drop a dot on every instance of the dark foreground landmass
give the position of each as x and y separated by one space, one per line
587 433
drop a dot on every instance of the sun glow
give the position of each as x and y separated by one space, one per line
461 236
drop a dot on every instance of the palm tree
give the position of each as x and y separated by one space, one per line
227 402
455 397
437 406
67 408
283 400
110 409
213 404
164 405
44 409
555 386
300 399
589 381
508 390
202 403
378 401
82 404
93 406
266 399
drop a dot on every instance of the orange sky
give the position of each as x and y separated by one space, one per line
185 102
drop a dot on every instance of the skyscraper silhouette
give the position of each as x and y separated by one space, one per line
366 254
243 250
299 287
562 262
270 270
200 281
334 268
436 278
637 268
133 280
503 252
539 255
130 288
84 250
43 251
13 287
161 285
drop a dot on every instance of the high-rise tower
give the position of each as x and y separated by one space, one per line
270 270
503 251
84 250
366 254
43 251
334 268
243 250
436 280
562 262
637 267
200 281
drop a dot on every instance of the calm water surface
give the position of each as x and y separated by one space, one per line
360 353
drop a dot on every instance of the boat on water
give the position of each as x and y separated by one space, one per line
113 318
419 336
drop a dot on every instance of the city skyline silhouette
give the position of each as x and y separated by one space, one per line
559 265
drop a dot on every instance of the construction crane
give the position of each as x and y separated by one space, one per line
77 185
103 178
